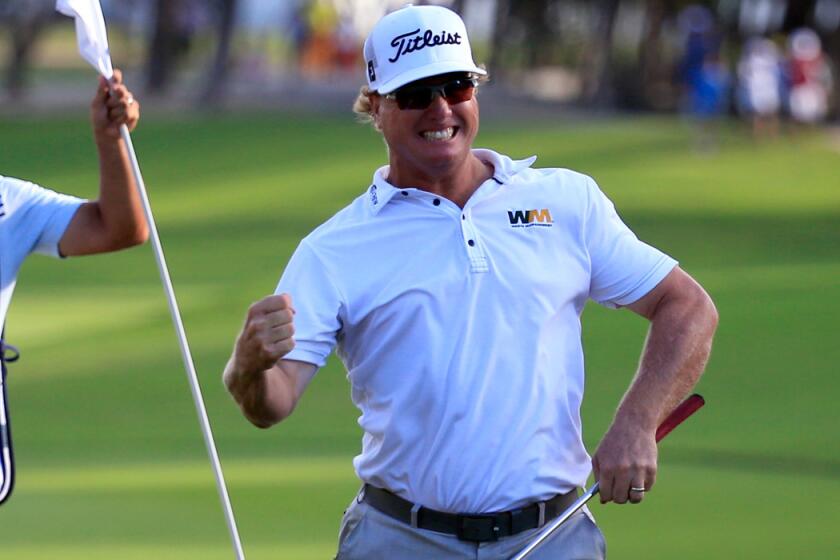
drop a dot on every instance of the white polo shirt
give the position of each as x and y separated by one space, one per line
32 220
460 329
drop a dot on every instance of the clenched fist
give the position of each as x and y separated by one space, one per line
267 335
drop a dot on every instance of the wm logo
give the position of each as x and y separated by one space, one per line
528 218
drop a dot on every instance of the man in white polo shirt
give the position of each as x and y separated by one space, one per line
37 220
452 290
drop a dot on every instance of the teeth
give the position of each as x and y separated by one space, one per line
438 135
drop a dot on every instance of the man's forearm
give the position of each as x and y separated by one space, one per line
673 359
683 321
119 202
265 397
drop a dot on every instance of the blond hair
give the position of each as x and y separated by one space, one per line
363 107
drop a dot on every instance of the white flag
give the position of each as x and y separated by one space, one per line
90 32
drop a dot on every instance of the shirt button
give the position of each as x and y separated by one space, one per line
436 202
404 193
471 243
463 217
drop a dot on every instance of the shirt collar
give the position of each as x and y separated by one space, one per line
381 191
504 168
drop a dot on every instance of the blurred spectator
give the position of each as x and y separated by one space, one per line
697 25
347 47
319 52
760 85
299 31
809 75
704 77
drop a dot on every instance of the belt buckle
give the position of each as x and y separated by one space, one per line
477 528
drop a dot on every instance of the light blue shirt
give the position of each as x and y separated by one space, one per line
32 220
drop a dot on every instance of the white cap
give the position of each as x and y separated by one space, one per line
805 44
416 42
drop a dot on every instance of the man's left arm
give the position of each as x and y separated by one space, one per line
115 220
683 320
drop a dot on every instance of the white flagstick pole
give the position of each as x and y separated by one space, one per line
185 350
92 38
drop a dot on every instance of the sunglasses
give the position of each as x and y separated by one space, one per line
421 96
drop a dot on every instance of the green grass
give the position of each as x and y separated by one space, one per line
111 462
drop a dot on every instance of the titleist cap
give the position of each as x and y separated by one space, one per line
416 42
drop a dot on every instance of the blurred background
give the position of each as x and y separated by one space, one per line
759 59
712 125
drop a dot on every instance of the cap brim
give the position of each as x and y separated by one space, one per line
427 71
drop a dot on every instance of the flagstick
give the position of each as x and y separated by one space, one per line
92 38
185 350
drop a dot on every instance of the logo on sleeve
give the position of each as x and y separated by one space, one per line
529 218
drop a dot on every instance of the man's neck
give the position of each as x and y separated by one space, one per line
456 185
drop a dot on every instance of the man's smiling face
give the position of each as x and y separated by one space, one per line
427 142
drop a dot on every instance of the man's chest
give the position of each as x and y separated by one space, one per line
517 259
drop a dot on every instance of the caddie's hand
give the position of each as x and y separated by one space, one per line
267 335
625 463
112 106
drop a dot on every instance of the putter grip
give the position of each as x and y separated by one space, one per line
686 408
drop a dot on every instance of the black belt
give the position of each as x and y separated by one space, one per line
468 527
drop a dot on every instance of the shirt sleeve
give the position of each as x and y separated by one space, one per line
41 215
623 268
317 303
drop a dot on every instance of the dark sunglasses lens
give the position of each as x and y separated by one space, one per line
456 91
415 98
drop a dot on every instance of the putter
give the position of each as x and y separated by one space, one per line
685 409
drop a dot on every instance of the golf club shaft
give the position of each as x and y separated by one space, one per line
688 407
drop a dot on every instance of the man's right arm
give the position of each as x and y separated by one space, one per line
115 220
265 386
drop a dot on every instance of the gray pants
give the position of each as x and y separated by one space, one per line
367 534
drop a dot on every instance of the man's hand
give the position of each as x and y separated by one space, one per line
112 106
266 387
267 335
682 323
625 460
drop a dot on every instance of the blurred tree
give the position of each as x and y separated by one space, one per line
218 73
652 83
457 6
653 68
521 36
598 80
501 23
169 40
27 19
533 15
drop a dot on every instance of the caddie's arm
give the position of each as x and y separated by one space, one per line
115 220
683 320
266 387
